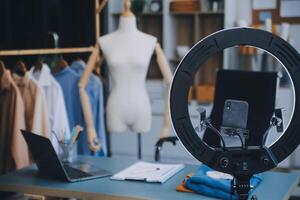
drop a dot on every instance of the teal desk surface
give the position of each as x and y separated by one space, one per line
275 186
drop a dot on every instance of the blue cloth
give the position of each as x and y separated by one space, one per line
68 81
217 188
94 90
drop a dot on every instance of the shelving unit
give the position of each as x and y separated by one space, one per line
173 29
198 25
199 13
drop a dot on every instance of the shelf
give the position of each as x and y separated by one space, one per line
175 13
142 14
202 13
150 14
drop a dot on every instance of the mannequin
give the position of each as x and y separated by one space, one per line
128 52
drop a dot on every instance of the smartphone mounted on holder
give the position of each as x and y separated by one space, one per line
234 124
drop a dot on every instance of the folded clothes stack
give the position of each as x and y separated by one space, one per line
211 183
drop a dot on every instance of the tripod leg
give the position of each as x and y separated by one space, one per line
242 186
139 140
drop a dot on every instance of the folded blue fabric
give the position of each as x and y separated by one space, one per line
217 188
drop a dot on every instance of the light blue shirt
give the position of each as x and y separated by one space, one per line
68 81
94 90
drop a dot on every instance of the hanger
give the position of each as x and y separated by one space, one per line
60 65
38 65
78 58
20 68
2 68
127 9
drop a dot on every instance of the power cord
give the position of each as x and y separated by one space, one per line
216 131
274 122
241 139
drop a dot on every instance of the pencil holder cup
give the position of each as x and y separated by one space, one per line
67 154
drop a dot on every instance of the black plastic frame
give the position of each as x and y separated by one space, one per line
234 161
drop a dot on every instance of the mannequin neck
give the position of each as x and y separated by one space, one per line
127 24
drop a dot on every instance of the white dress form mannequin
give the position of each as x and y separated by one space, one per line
162 63
128 52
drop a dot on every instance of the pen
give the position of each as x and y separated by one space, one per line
78 129
78 135
58 140
136 179
65 136
74 130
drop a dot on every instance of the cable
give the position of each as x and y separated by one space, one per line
241 139
236 132
266 135
274 122
209 125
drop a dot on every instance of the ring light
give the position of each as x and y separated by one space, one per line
237 161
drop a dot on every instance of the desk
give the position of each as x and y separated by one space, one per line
276 186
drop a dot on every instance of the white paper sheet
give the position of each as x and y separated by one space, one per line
148 172
290 8
264 4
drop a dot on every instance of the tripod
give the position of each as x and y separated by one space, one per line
241 185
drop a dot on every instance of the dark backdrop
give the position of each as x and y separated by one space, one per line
25 24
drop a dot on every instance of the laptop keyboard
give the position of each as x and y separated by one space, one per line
75 173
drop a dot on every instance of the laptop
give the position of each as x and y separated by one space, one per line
49 164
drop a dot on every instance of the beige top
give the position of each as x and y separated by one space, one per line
13 148
36 116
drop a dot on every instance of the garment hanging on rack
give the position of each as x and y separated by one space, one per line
94 90
68 81
36 115
58 119
13 149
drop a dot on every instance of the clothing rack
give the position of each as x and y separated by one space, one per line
45 51
99 6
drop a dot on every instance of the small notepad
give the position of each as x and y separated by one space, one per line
148 172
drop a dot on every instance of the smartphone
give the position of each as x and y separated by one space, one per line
235 115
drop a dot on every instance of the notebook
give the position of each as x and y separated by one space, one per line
148 172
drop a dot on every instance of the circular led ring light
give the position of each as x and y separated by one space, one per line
236 162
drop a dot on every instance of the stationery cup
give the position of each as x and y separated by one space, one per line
67 154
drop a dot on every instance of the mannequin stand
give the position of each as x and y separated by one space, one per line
139 140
